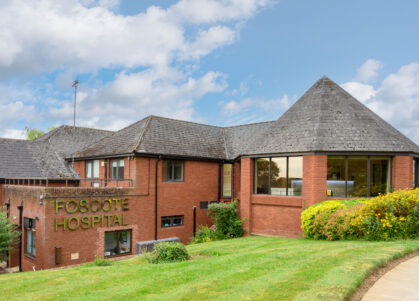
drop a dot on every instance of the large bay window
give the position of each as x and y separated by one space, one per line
279 176
357 176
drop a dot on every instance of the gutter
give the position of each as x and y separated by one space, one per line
20 208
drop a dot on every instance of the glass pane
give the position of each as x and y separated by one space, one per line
177 221
33 243
227 168
178 166
379 175
357 176
111 243
96 169
28 241
114 168
166 170
295 175
165 222
279 176
124 242
121 163
336 176
262 176
88 169
121 172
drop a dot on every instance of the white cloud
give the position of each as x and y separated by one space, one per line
396 99
48 35
13 134
133 96
66 38
254 109
368 71
360 91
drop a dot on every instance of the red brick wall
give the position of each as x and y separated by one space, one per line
280 215
277 215
246 192
174 198
402 172
314 179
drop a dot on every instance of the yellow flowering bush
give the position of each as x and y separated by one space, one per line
389 216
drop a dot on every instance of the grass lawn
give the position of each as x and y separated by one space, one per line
251 268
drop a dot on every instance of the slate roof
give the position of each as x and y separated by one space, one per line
325 119
165 136
45 157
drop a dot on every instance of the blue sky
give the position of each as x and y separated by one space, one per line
218 62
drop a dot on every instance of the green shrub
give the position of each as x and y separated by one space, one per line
9 234
101 262
390 216
227 221
204 234
167 252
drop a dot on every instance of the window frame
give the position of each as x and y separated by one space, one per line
32 229
231 182
390 171
172 217
92 169
270 176
117 243
172 164
117 177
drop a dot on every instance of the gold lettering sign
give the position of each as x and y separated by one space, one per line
91 221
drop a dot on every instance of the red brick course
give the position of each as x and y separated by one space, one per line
402 172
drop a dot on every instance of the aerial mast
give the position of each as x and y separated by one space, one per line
75 84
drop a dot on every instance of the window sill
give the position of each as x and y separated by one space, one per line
172 227
29 256
118 255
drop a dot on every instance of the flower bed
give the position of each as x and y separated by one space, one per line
390 216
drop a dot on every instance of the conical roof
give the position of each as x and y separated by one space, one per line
327 118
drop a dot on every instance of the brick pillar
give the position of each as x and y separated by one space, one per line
314 179
402 172
246 192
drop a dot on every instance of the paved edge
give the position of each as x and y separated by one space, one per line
377 273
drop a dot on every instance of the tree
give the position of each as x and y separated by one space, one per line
8 234
32 134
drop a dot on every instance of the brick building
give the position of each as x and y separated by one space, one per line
155 178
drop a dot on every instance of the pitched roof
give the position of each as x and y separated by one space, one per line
165 136
45 157
327 118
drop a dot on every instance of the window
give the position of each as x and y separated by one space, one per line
227 169
117 169
204 205
171 221
30 233
415 173
92 171
357 176
117 243
279 176
172 171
